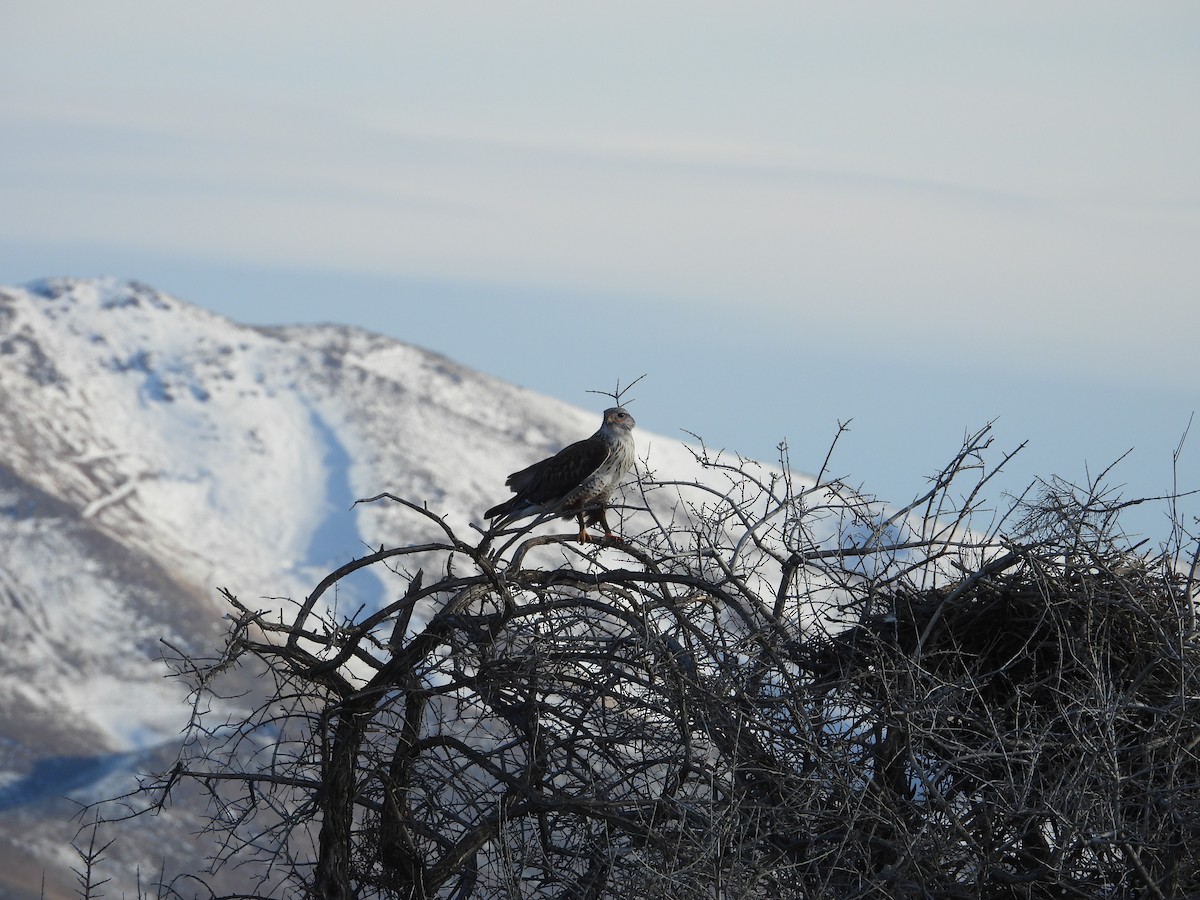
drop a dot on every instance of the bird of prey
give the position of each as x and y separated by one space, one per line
577 480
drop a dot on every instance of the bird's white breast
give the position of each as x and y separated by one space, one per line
602 482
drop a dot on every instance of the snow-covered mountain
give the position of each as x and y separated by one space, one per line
151 451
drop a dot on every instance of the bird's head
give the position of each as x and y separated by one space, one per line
618 417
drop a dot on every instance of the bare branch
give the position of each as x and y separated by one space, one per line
773 687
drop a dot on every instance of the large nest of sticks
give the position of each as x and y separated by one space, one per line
1050 699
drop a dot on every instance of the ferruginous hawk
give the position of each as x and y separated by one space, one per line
577 480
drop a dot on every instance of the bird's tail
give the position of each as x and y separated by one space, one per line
501 509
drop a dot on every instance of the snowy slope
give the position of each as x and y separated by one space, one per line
214 454
151 451
236 452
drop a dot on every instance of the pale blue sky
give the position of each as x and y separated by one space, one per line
921 216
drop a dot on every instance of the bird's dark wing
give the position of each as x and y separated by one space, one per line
553 478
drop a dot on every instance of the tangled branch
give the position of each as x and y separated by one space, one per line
774 688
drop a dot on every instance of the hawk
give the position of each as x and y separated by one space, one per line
575 481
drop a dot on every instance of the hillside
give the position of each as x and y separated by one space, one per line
153 452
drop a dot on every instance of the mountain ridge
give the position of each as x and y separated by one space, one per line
154 451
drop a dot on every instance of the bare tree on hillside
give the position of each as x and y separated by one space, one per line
771 688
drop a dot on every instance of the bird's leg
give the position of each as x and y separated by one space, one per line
603 519
583 535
